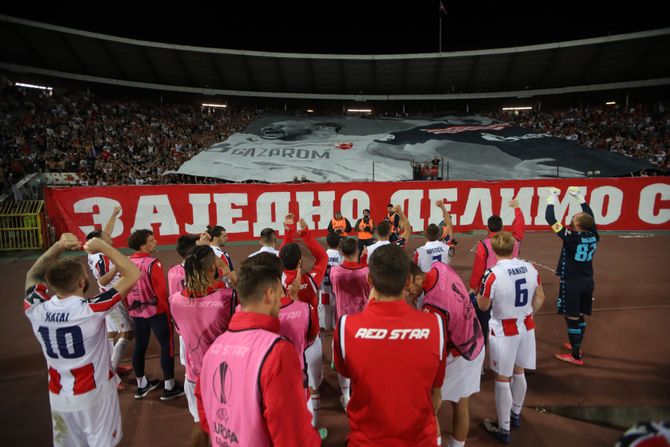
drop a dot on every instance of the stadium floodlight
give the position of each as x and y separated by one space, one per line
217 106
610 103
518 108
359 110
39 87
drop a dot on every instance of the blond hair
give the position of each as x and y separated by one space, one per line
503 243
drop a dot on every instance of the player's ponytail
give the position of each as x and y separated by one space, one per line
196 266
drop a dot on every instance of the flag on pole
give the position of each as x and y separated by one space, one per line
443 9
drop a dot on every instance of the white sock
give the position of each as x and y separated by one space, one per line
519 387
316 401
344 386
111 349
169 384
117 352
142 382
455 442
503 403
312 412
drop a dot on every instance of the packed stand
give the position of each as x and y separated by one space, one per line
640 132
106 142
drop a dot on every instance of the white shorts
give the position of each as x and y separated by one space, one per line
314 359
99 425
462 377
506 352
182 351
118 319
326 311
189 390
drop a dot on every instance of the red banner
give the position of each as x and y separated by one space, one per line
245 209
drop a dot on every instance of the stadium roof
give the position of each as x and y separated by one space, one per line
638 59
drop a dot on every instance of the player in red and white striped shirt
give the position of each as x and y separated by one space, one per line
513 290
119 323
218 237
440 244
71 331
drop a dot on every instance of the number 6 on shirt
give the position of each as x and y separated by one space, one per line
521 293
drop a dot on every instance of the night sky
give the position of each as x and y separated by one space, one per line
353 27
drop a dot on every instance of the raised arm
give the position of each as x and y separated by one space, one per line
518 225
549 214
35 275
320 256
404 223
109 226
128 271
577 194
446 217
108 276
225 272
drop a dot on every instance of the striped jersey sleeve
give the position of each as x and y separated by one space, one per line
487 284
102 265
104 301
36 294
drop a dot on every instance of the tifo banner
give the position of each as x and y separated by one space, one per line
277 149
245 209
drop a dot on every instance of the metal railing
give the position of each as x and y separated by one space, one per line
21 225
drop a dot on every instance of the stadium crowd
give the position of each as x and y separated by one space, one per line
106 142
118 142
640 132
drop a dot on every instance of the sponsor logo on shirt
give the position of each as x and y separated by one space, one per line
393 334
234 350
289 316
203 304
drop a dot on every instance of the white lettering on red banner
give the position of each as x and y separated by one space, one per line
244 209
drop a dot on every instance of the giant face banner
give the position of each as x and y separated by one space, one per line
334 149
245 209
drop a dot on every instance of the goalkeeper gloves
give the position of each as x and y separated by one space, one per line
577 193
553 194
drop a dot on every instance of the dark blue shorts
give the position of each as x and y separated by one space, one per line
575 296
